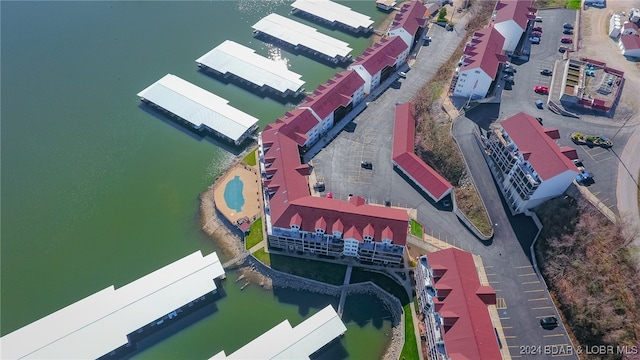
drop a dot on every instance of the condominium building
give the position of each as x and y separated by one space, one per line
454 304
528 164
511 18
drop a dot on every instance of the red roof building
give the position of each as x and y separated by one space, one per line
483 52
380 60
301 125
409 21
297 221
343 91
630 45
454 302
511 18
405 159
527 162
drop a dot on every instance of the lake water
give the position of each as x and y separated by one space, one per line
96 190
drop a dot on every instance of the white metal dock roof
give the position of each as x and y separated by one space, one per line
334 12
99 323
237 59
285 342
198 106
296 33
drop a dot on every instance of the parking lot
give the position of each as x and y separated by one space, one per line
602 163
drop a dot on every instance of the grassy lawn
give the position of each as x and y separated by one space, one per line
255 234
416 229
410 348
574 4
250 159
262 256
541 4
316 270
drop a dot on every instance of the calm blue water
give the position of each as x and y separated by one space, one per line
233 194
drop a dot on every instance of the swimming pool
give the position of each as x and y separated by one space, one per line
233 194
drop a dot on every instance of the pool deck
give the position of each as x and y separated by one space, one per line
250 190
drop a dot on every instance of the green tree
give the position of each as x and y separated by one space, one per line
443 14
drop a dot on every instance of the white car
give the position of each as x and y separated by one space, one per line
403 74
534 40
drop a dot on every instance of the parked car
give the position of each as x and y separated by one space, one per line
567 26
563 49
585 178
567 32
508 78
539 104
539 119
538 19
534 40
509 70
427 38
537 28
536 34
546 72
578 162
541 89
549 322
403 74
366 165
566 40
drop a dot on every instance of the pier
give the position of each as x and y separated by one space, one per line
343 293
303 37
199 108
333 14
105 322
231 58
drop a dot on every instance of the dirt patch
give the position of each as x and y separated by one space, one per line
594 43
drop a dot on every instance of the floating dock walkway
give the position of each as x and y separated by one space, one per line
233 59
333 14
199 108
303 37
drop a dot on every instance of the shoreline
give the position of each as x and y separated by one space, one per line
252 271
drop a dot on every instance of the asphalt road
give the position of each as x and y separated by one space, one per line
522 297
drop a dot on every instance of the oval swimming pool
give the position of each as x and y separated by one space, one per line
233 194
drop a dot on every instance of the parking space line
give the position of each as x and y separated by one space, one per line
553 335
494 282
529 274
531 282
537 299
523 267
544 316
491 274
514 346
559 355
537 290
509 336
541 308
507 327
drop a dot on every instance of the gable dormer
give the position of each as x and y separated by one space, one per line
296 222
367 233
387 234
321 226
337 229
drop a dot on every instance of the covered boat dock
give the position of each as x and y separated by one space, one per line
101 323
334 14
233 59
199 108
303 37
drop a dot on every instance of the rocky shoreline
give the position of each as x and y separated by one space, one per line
255 272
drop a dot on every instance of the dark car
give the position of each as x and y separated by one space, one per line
563 49
508 78
566 40
567 26
537 28
567 31
539 120
546 72
539 104
509 70
366 165
536 34
549 322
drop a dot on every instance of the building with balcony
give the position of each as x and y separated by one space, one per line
380 61
454 304
479 65
527 163
333 100
409 22
511 18
303 224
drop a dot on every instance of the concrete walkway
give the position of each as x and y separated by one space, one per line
627 189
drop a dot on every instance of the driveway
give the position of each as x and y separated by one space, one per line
522 296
